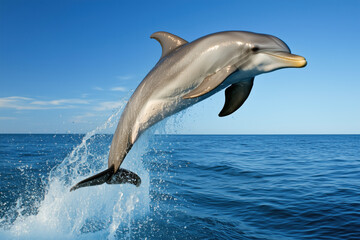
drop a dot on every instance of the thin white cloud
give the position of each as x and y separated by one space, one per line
105 106
11 102
25 103
120 89
60 102
81 118
8 118
15 102
125 77
18 98
98 88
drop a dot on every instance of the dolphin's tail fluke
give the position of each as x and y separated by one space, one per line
108 176
97 179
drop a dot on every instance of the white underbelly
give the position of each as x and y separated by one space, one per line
156 110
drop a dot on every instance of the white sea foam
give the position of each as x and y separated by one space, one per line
88 213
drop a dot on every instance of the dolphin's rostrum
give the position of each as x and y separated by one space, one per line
186 74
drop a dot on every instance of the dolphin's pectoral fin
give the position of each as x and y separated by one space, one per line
168 42
124 176
97 179
211 82
235 96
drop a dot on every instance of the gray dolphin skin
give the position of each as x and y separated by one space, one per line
187 73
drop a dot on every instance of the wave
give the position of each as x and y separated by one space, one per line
100 212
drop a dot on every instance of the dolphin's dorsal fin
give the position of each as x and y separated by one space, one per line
211 82
235 96
168 41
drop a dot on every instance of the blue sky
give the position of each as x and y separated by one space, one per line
65 65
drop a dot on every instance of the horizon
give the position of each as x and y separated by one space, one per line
200 134
66 67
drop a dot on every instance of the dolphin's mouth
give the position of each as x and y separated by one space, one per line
291 59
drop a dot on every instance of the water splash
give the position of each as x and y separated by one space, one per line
100 212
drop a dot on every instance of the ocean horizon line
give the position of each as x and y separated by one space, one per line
195 134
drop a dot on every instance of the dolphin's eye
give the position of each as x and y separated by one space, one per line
255 49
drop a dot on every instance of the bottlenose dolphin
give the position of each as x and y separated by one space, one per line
188 73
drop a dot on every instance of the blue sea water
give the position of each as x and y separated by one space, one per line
193 187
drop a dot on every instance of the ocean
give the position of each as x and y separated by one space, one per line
193 187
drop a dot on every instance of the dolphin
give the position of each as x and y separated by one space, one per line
187 73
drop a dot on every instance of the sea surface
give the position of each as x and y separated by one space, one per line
193 187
